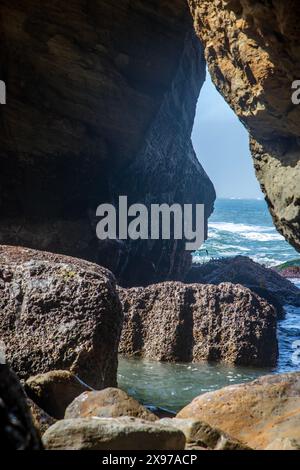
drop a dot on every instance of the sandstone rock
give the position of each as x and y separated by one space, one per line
284 444
110 90
108 403
257 413
17 431
242 270
177 322
42 421
56 314
200 435
112 434
54 391
252 50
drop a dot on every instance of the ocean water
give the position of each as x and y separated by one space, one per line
244 227
237 227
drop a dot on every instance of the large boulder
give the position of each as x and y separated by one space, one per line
54 391
264 281
264 413
17 430
59 313
177 322
112 434
108 403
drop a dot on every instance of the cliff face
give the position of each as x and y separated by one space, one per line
252 50
98 92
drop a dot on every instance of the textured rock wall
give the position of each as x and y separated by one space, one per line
252 50
85 82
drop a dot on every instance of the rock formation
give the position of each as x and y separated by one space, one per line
112 434
108 403
58 313
101 99
54 391
262 413
252 51
17 431
242 270
182 323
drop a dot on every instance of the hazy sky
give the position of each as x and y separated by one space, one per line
222 146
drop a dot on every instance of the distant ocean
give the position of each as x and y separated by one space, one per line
244 227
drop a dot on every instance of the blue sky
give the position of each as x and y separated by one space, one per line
222 146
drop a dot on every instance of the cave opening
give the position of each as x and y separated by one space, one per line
241 223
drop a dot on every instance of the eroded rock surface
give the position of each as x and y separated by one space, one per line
54 391
242 270
262 413
252 50
101 100
59 314
108 403
112 434
177 322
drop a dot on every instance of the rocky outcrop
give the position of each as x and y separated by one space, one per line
58 313
242 270
108 403
200 434
252 51
262 413
101 99
17 431
54 391
112 434
177 322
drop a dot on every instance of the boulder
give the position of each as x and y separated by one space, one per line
200 434
260 414
54 391
108 403
112 434
17 430
266 282
59 313
177 322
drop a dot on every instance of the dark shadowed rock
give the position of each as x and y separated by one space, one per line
178 322
17 431
41 419
112 434
242 270
108 403
54 391
57 313
262 413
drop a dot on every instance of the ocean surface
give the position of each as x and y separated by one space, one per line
237 227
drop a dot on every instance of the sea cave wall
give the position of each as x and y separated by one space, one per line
101 99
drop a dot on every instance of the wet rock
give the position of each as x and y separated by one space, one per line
199 434
267 283
17 430
54 391
177 322
108 403
256 413
112 434
59 313
42 421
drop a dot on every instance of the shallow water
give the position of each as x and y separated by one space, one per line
172 386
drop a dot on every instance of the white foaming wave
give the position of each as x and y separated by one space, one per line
250 232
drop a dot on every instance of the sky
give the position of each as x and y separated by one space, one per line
222 146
